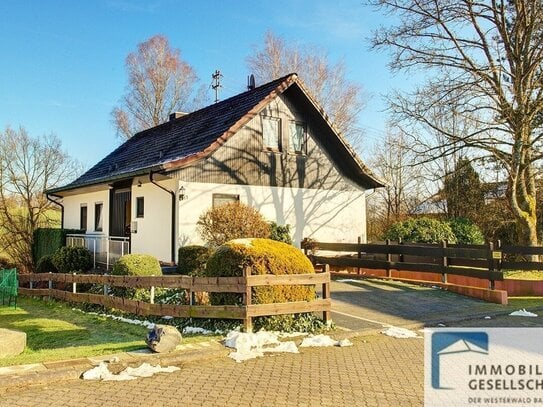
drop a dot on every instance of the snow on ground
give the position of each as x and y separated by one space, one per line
188 330
400 333
146 324
347 280
101 372
523 313
252 345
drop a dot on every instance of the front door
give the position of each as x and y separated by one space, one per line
121 212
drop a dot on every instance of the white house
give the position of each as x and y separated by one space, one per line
271 147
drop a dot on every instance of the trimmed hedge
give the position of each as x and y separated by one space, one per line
135 265
421 230
264 256
72 259
191 260
48 240
466 231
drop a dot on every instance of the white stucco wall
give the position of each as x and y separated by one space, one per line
153 234
73 203
326 215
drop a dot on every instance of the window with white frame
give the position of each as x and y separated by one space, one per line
297 137
98 216
271 133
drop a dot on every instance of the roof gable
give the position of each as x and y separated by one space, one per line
181 141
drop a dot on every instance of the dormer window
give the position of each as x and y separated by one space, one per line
297 140
271 133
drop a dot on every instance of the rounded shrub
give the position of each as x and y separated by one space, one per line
466 232
135 265
45 265
72 259
264 256
191 260
421 230
233 220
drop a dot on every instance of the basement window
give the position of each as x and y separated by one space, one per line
223 199
271 133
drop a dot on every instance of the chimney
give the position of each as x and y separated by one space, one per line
251 82
177 115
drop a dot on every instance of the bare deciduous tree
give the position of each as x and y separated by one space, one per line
394 162
485 57
159 83
340 98
28 166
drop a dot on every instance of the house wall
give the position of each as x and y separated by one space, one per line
153 234
326 215
72 205
243 159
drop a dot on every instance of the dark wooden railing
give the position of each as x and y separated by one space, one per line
478 261
242 285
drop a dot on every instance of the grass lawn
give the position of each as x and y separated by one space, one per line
524 275
55 332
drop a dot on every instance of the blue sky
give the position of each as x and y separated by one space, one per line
63 71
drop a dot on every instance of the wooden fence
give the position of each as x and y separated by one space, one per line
477 261
241 285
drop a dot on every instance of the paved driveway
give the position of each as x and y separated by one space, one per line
376 371
371 303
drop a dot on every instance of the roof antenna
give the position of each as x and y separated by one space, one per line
251 82
216 83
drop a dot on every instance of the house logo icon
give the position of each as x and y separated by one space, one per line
447 344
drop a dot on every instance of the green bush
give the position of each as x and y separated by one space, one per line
421 230
466 232
264 256
45 265
135 265
47 241
280 233
191 260
72 259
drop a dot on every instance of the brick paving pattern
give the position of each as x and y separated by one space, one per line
376 371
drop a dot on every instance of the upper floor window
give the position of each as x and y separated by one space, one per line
98 217
83 217
297 138
271 133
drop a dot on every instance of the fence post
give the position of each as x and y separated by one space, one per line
359 253
247 321
107 254
74 285
389 259
94 253
31 284
50 285
326 295
445 262
400 257
106 287
152 299
491 263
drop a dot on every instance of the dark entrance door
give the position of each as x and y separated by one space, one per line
121 212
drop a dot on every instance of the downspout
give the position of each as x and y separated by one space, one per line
172 194
61 208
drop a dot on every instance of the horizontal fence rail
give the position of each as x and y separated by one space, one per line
476 261
241 285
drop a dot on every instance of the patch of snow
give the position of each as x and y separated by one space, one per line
167 317
400 333
289 334
523 313
197 330
488 317
344 343
323 340
147 324
441 325
347 280
287 347
101 372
